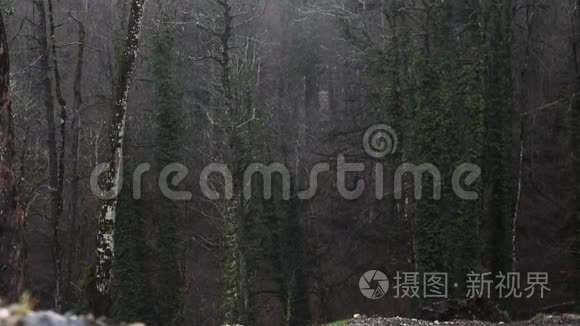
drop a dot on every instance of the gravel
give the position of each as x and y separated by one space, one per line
572 320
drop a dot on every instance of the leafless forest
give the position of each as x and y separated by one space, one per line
197 91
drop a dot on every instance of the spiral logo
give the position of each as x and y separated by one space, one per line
380 141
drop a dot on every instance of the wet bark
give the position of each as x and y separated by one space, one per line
11 213
55 194
74 216
60 162
111 182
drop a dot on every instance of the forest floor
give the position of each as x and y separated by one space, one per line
572 320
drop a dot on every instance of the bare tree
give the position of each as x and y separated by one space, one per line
58 192
111 182
74 226
11 214
51 87
228 30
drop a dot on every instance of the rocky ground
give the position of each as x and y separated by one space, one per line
572 320
20 315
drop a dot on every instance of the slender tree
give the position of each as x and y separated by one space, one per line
430 91
111 182
132 299
575 153
11 214
45 29
59 191
237 122
168 151
74 204
497 92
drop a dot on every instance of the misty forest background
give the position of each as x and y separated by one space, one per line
298 82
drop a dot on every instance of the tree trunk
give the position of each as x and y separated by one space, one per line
74 216
524 96
575 151
11 214
238 218
60 162
111 182
55 197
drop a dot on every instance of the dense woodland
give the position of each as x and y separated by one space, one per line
494 83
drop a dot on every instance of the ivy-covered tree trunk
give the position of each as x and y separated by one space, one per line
449 129
433 119
497 174
288 247
434 109
111 182
132 299
168 151
11 213
283 217
575 154
396 103
463 241
466 141
237 301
